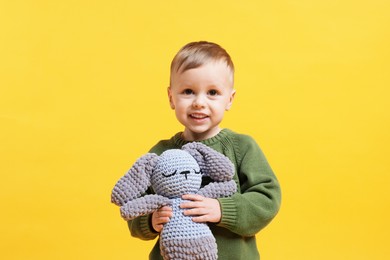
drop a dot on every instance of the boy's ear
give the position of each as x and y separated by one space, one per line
170 98
231 98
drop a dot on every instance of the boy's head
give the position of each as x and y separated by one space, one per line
196 54
201 88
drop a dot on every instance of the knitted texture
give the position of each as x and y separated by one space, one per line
218 189
181 238
172 174
143 205
135 182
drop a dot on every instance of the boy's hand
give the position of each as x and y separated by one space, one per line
160 217
203 209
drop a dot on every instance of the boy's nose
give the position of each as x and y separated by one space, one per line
199 101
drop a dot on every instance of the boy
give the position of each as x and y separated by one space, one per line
200 91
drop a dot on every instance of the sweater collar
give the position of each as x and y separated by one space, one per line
179 141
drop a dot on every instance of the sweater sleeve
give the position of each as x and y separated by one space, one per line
249 211
141 228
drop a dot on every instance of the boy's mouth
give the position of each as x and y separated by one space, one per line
198 116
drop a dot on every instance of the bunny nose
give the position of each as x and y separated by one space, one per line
185 173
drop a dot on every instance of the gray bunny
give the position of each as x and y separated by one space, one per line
172 174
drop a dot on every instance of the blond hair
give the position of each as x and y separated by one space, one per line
195 54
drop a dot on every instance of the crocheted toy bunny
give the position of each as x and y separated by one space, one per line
172 174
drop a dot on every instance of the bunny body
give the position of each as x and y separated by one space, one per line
175 173
182 238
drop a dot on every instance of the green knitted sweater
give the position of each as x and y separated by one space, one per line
245 213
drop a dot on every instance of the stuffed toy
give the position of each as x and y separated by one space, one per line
172 174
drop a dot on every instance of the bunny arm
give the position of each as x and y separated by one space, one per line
143 205
218 189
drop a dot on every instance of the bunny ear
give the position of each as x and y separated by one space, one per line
212 163
135 182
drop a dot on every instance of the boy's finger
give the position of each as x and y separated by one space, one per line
200 219
193 197
165 208
194 212
187 205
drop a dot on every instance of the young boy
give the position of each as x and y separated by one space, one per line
200 91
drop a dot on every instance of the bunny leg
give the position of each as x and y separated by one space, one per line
200 248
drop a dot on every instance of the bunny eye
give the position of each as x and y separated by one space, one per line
199 172
169 175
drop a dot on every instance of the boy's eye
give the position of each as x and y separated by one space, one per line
188 91
213 92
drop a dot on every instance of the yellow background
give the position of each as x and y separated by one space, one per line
83 95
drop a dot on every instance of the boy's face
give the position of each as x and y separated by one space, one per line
200 98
